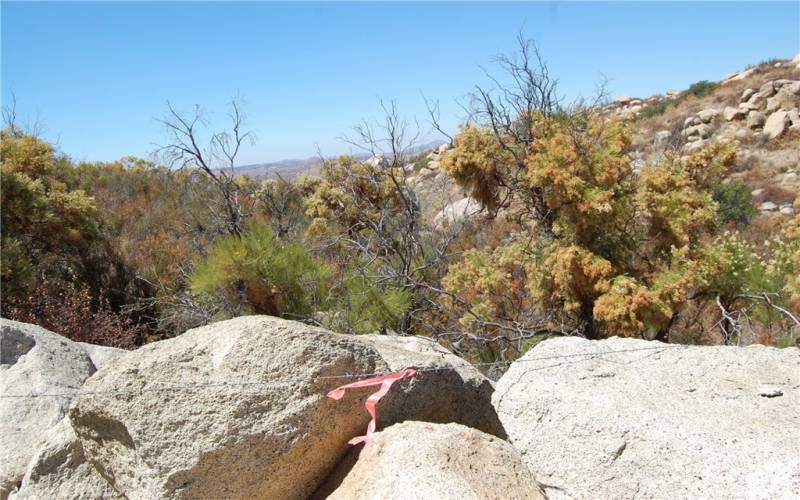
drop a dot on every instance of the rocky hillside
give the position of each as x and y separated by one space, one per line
757 109
237 410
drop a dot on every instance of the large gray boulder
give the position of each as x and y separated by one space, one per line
237 409
625 418
415 460
39 373
59 470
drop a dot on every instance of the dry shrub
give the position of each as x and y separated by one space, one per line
68 311
788 140
775 194
762 228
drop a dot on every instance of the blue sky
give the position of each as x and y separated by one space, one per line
98 74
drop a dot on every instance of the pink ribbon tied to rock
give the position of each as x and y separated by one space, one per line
385 381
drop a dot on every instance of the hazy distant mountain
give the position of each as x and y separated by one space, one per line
288 169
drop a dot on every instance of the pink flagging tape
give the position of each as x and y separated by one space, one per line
385 381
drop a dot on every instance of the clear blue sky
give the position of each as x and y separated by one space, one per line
97 74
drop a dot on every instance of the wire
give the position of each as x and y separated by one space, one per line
168 386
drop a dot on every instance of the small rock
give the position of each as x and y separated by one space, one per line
768 206
782 100
756 192
794 116
691 120
695 146
701 131
756 120
661 139
776 124
768 391
633 109
623 100
792 87
731 113
767 90
741 75
757 101
747 94
457 211
378 161
789 178
707 115
786 210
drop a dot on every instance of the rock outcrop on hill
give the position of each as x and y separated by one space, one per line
237 409
625 418
416 460
35 361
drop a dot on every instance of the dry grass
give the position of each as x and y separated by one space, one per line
775 194
789 140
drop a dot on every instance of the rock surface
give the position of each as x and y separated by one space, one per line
33 361
101 355
731 113
457 211
456 387
776 124
415 460
756 120
655 421
236 409
59 470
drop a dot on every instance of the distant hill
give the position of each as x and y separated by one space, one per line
291 168
288 169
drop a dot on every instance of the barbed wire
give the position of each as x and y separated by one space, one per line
170 386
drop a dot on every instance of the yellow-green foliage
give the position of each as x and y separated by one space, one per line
350 195
365 220
259 273
494 282
478 163
783 268
45 223
367 307
606 252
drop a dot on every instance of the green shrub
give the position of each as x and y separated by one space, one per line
259 273
735 204
701 88
657 109
370 308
